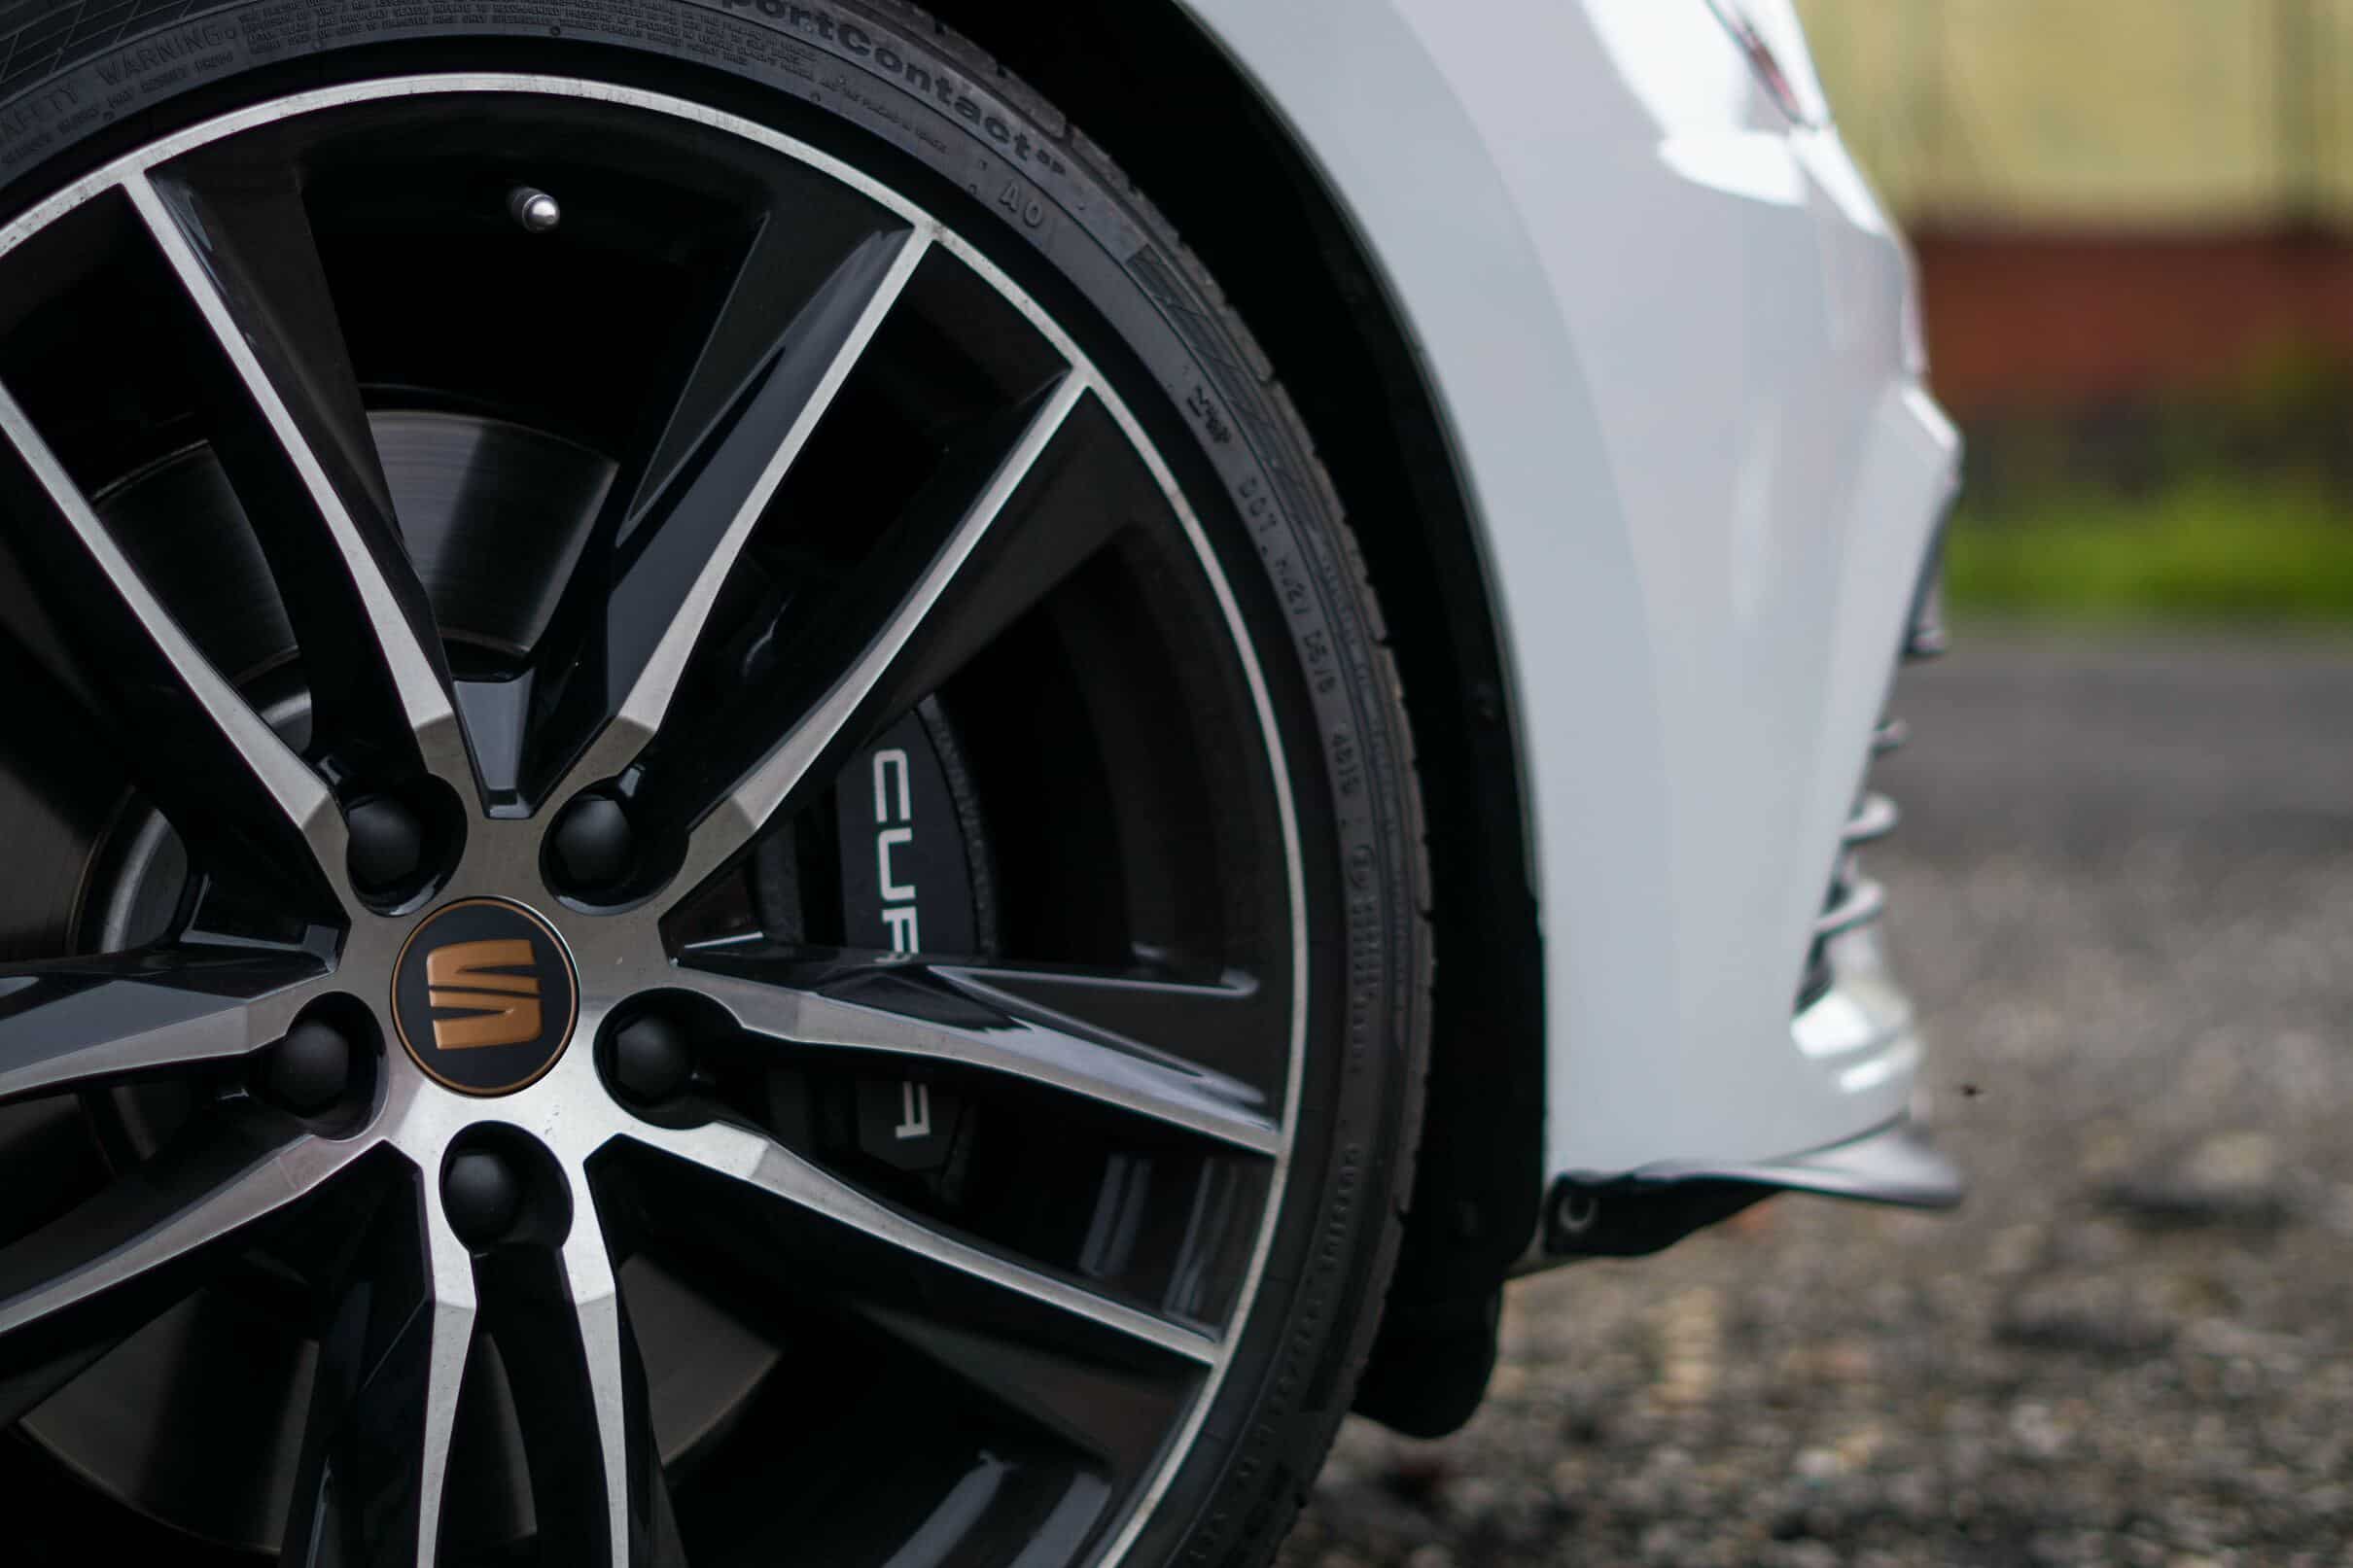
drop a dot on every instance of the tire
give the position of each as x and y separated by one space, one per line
1168 658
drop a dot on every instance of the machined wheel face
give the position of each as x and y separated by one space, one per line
657 912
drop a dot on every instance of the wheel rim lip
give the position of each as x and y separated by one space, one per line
394 1119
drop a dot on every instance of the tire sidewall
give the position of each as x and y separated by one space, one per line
1045 206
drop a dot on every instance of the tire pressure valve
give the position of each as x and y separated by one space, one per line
535 209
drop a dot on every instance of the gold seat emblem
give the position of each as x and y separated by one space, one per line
502 1009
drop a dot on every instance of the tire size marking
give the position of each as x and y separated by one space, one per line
1030 209
1205 409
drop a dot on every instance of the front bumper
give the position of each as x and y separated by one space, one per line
1657 1206
1854 1022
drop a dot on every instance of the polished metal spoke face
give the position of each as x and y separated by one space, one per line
225 761
725 828
696 527
776 1172
293 411
953 1016
692 939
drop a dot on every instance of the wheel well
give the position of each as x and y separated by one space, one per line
1240 190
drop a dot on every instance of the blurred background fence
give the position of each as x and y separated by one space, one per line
2134 221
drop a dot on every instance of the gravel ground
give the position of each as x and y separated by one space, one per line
2125 903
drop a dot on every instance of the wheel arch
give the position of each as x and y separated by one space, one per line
1248 202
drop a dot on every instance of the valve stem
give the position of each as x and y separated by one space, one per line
535 209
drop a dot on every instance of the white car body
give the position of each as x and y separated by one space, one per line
1672 336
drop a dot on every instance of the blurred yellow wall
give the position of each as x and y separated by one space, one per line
2166 114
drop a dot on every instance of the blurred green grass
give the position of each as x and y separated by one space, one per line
2209 548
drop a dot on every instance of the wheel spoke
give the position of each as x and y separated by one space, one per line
940 1013
769 1168
293 432
369 1484
78 1284
736 431
451 1274
637 1497
709 781
82 1021
201 751
596 1474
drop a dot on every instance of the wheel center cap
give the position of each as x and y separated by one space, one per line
484 997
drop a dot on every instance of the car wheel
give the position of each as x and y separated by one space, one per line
711 857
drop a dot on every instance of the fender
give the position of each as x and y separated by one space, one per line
1705 519
1653 562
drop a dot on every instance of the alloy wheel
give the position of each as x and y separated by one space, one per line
686 934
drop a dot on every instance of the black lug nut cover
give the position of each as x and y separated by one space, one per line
482 1196
592 846
650 1061
310 1068
386 844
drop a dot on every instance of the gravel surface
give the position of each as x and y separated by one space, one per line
2125 903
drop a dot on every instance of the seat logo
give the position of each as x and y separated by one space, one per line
484 997
498 1008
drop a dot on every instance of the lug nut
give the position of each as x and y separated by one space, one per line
482 1196
386 844
592 847
651 1063
310 1069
